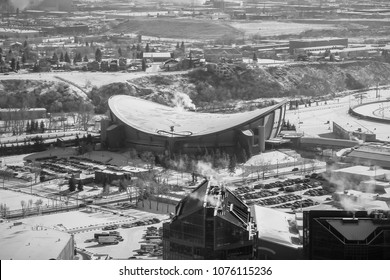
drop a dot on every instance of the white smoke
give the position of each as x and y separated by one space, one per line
354 195
182 102
206 170
23 4
210 199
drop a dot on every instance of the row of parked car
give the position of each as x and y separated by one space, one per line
298 204
141 223
256 195
317 192
298 187
281 184
279 199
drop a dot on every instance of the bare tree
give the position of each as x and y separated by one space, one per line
148 157
85 115
23 204
29 204
313 165
6 175
38 204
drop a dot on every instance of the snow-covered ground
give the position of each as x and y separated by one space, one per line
84 80
275 28
132 238
13 199
87 219
272 157
317 120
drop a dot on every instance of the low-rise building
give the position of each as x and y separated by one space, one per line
20 241
222 54
157 56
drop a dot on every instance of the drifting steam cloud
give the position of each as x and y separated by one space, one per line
353 201
182 101
23 4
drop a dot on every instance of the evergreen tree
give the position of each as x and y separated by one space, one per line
177 45
67 58
244 155
147 48
28 127
80 186
72 184
1 50
24 58
120 51
36 126
55 57
182 47
143 65
25 44
32 126
86 44
254 57
62 57
232 163
17 65
98 55
13 64
42 125
85 58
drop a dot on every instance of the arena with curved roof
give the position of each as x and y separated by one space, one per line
145 125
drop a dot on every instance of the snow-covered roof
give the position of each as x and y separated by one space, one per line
153 118
26 242
157 55
273 225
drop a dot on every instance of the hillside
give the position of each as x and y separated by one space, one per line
319 80
205 91
54 96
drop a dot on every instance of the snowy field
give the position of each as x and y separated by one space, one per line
12 199
84 220
272 157
275 28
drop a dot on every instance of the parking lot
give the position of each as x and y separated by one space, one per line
289 194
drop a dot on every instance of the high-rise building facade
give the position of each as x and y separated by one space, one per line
210 223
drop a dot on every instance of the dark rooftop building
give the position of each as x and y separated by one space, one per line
338 235
210 223
311 44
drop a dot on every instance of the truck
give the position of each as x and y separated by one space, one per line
109 239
